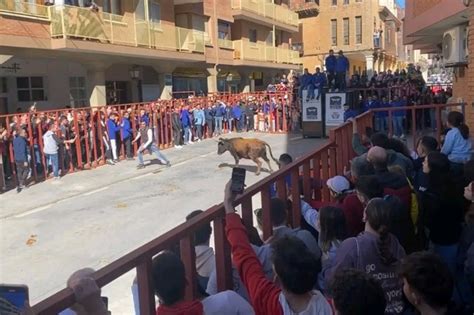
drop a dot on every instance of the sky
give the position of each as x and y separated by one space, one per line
401 3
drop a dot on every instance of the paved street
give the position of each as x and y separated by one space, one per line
91 218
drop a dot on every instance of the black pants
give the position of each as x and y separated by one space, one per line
331 78
341 80
210 127
250 122
21 172
199 131
177 138
128 147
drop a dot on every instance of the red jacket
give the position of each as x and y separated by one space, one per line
263 293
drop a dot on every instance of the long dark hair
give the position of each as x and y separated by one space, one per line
378 217
456 119
333 226
439 179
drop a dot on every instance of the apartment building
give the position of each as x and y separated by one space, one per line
68 53
366 30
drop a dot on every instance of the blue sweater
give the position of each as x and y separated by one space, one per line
319 80
185 118
20 149
199 117
458 149
112 128
350 113
126 128
399 103
342 64
236 111
331 63
305 80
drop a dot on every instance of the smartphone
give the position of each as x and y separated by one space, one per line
13 298
238 180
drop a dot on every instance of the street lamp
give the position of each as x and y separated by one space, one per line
135 75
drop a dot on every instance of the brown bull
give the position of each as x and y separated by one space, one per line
241 148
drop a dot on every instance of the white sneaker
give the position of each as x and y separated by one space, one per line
178 147
190 142
198 140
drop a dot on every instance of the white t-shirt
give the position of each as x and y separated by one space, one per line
318 305
226 302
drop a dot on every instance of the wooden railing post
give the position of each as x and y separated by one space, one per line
295 196
189 260
267 222
223 262
145 287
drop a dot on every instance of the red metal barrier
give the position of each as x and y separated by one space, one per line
89 124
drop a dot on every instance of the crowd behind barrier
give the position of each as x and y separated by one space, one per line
402 222
94 136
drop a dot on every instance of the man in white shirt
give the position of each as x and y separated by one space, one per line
146 134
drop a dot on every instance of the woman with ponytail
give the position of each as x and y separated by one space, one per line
375 252
457 144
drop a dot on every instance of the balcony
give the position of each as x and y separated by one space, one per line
254 10
224 43
24 10
73 22
245 50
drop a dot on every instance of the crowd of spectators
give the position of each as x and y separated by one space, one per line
56 142
396 238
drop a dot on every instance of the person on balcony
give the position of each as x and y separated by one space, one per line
330 64
295 267
342 67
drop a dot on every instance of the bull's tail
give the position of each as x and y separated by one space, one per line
271 154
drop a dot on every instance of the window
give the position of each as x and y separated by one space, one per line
154 12
253 35
346 2
30 89
269 39
346 31
223 30
77 91
358 22
112 6
334 2
334 32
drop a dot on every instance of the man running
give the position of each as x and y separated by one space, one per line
147 143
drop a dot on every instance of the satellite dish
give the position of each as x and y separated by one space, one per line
447 46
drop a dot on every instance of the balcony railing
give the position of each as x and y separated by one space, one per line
76 22
224 43
270 10
24 9
246 50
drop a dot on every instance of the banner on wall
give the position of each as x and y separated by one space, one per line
335 108
312 109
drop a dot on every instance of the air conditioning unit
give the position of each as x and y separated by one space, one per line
455 45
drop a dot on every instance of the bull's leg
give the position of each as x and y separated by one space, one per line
265 158
259 165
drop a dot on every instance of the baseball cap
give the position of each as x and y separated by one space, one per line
338 184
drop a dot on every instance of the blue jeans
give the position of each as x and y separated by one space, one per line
153 149
187 134
53 159
380 124
230 120
398 125
219 124
310 94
